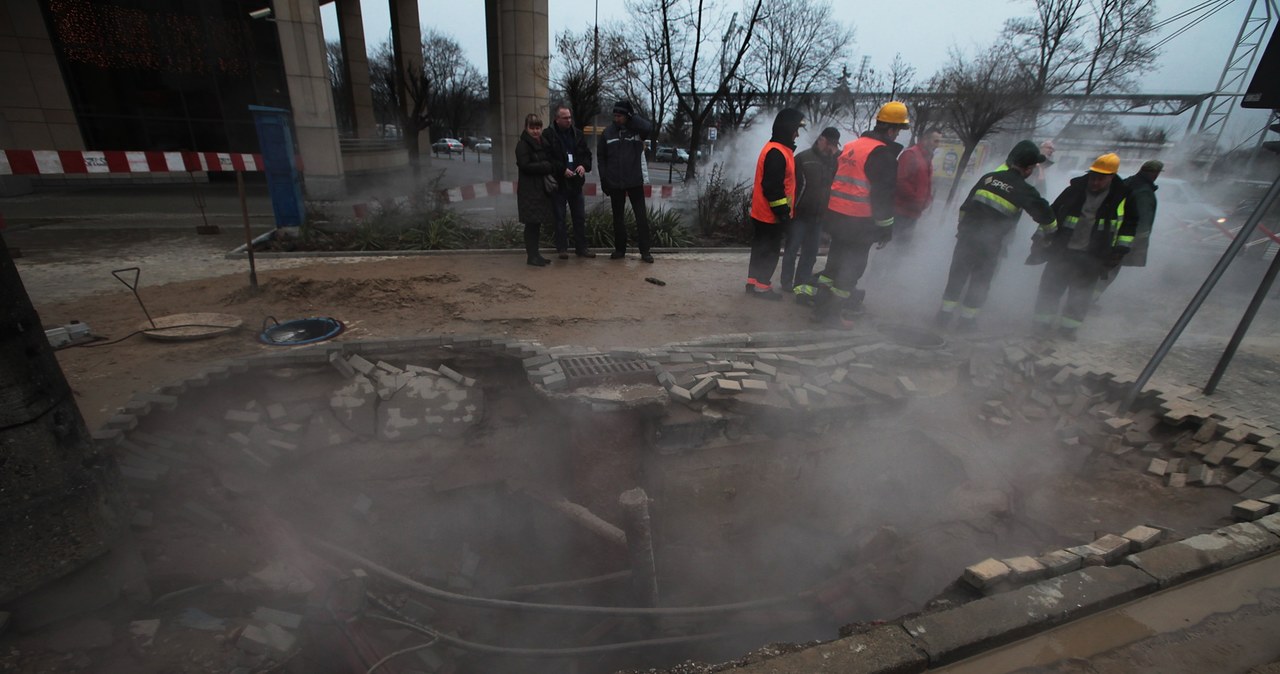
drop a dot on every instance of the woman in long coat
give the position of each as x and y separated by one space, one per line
533 201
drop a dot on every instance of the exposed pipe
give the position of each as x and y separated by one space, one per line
644 571
467 600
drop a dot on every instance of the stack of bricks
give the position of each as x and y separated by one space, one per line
997 575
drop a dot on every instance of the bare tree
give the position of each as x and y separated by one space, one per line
343 106
457 91
900 76
981 96
798 52
686 25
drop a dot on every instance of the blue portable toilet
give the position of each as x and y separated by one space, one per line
284 183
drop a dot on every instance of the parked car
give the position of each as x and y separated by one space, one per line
447 145
671 154
484 145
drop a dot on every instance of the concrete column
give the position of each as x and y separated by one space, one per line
35 110
310 97
406 42
356 61
519 48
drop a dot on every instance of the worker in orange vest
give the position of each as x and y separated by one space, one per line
859 213
773 202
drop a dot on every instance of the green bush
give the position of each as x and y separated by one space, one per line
722 207
666 227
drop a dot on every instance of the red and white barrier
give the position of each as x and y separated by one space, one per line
64 162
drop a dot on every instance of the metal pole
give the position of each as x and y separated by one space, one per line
1245 321
1205 289
248 236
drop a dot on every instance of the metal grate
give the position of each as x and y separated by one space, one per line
583 370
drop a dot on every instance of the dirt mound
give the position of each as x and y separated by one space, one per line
375 292
497 289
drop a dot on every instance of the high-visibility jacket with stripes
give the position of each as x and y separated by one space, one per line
851 190
765 195
1113 226
997 200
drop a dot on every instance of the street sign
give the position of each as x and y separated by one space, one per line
711 134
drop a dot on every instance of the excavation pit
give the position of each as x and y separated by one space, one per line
472 489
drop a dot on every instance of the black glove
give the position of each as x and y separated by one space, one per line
884 233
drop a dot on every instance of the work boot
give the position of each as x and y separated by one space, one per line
617 255
563 254
646 258
1069 334
583 252
942 319
1041 330
966 324
533 258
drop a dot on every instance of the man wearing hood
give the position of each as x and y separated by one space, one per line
859 212
620 151
987 217
773 200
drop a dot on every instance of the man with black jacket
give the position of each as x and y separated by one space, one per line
1093 234
568 146
815 167
620 151
773 201
987 217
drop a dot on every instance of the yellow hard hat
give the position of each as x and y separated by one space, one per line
893 112
1108 163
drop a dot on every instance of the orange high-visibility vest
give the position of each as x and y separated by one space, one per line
851 191
762 208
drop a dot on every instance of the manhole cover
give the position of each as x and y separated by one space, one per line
585 370
917 338
300 331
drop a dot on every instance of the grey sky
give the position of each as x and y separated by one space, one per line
922 33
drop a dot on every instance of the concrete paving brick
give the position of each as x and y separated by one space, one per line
1025 569
1271 458
735 374
704 386
388 367
947 636
754 385
1238 453
1245 480
1261 490
1175 480
1250 460
1199 555
241 416
536 361
764 368
987 573
1250 510
270 639
1207 431
1058 562
451 373
1157 467
284 619
728 385
815 390
1089 555
1177 466
1200 475
1218 451
887 649
1273 499
681 393
1143 537
1113 547
799 396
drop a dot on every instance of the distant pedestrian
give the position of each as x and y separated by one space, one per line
773 202
987 218
1142 202
620 152
815 168
533 191
914 191
1094 233
1038 179
859 213
568 147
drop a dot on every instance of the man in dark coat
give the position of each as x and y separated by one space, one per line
1142 201
620 151
815 167
1094 232
568 146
